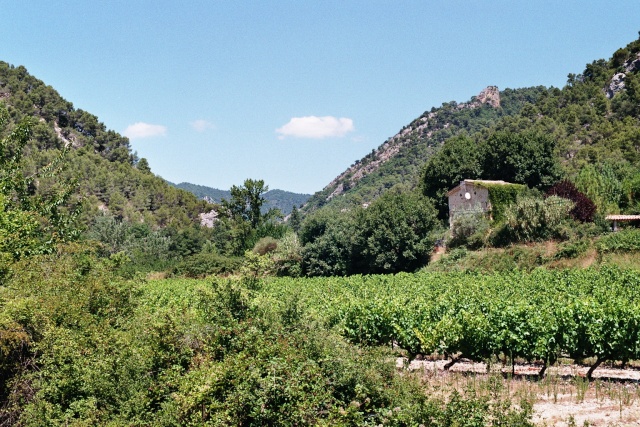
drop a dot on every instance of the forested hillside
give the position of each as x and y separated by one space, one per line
590 129
400 159
592 123
111 178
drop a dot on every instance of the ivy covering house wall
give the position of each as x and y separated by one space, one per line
501 196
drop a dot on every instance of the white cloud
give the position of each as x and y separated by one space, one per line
202 125
316 127
144 130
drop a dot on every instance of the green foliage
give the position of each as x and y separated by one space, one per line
531 219
243 216
394 234
288 256
32 219
206 264
627 240
501 196
143 165
327 239
80 348
295 220
469 231
535 316
572 249
457 160
602 186
522 158
143 248
246 202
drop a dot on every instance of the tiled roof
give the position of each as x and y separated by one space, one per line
623 217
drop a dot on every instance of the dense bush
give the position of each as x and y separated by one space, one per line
531 219
469 231
205 264
583 208
392 234
621 241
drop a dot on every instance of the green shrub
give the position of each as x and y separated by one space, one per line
501 196
621 241
265 245
571 250
531 219
204 264
469 231
288 256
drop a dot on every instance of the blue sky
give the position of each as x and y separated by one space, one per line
292 92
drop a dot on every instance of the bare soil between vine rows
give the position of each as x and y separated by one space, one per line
563 398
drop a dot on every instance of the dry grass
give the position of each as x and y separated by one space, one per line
529 256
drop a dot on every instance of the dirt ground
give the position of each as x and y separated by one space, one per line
563 398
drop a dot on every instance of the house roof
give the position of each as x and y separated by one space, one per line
623 217
475 181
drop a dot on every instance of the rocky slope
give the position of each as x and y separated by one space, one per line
399 159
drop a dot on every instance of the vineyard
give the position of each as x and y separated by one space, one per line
538 317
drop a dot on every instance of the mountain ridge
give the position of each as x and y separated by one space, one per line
280 199
400 158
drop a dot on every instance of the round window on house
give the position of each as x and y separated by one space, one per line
467 196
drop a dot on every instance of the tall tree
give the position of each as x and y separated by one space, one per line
30 221
523 158
244 217
294 219
246 201
458 159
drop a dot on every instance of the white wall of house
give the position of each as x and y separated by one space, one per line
468 198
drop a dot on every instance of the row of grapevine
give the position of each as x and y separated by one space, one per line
538 316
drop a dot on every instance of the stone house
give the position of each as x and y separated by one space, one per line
471 196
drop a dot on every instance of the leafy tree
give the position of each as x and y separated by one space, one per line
31 220
294 219
143 165
523 158
394 234
244 218
458 159
246 201
327 238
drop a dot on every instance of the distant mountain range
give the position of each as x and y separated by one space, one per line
283 200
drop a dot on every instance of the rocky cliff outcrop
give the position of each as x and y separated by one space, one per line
615 85
490 95
423 127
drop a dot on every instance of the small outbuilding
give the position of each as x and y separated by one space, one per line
475 196
621 218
